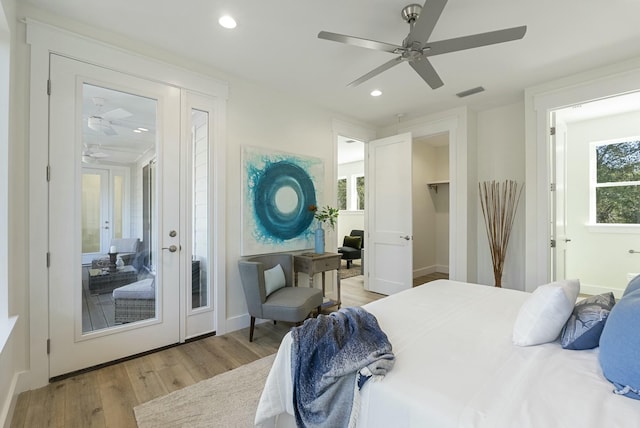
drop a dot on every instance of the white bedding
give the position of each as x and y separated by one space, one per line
457 367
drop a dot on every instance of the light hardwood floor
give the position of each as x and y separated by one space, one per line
106 397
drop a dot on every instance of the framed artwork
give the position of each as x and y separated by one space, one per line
277 190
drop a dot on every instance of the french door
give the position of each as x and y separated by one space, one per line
113 306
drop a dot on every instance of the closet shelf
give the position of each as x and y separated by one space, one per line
434 184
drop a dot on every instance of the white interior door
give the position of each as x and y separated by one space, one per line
109 122
389 213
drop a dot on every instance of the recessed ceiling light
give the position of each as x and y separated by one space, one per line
227 22
376 93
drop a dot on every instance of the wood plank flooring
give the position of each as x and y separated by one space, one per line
106 397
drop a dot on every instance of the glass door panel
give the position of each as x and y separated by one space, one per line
117 284
124 298
200 210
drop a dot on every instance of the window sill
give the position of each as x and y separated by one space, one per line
613 228
6 327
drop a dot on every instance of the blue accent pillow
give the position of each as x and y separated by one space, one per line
584 326
633 285
620 346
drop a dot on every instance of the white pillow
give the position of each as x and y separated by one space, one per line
543 315
274 279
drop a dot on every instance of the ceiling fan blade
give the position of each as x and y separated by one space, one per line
474 41
118 113
387 65
357 41
426 22
109 131
424 68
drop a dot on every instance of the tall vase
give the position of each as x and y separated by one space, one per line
319 249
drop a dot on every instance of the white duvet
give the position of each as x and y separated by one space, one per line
457 367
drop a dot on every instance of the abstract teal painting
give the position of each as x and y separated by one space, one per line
277 190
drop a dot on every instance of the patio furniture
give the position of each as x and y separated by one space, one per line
104 281
135 301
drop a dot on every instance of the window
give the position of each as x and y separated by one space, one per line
615 182
360 192
342 193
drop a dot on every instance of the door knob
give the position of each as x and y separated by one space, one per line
171 248
406 237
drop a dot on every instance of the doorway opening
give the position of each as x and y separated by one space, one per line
430 158
351 184
593 241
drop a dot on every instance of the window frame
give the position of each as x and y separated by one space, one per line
593 225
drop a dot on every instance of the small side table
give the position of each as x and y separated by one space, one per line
103 281
311 264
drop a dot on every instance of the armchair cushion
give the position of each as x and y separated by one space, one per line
354 242
274 279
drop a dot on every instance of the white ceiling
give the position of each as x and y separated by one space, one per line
276 44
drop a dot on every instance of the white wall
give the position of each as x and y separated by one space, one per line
597 258
501 147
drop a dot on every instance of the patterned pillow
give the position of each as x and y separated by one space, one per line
584 327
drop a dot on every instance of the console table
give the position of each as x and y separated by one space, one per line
311 264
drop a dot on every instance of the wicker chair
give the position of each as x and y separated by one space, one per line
135 301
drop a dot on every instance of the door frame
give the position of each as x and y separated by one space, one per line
462 172
43 40
539 102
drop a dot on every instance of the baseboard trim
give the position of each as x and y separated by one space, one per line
598 289
429 270
241 321
10 404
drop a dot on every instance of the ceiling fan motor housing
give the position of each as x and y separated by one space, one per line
411 12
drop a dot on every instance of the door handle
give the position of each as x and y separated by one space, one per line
171 248
406 237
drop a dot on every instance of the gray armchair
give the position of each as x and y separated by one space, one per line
289 303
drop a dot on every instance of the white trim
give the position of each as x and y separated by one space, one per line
6 413
593 290
613 228
44 39
539 102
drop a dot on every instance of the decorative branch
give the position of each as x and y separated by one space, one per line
499 203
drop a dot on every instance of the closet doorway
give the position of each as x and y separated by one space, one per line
430 155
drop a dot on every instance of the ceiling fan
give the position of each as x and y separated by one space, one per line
93 153
103 122
416 48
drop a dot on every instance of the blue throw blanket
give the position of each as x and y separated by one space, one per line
331 358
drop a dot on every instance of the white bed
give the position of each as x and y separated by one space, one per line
456 366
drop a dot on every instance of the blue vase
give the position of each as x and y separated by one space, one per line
319 239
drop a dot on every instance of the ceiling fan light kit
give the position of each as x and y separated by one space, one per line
416 47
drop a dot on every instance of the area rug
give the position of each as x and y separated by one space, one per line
229 399
354 270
